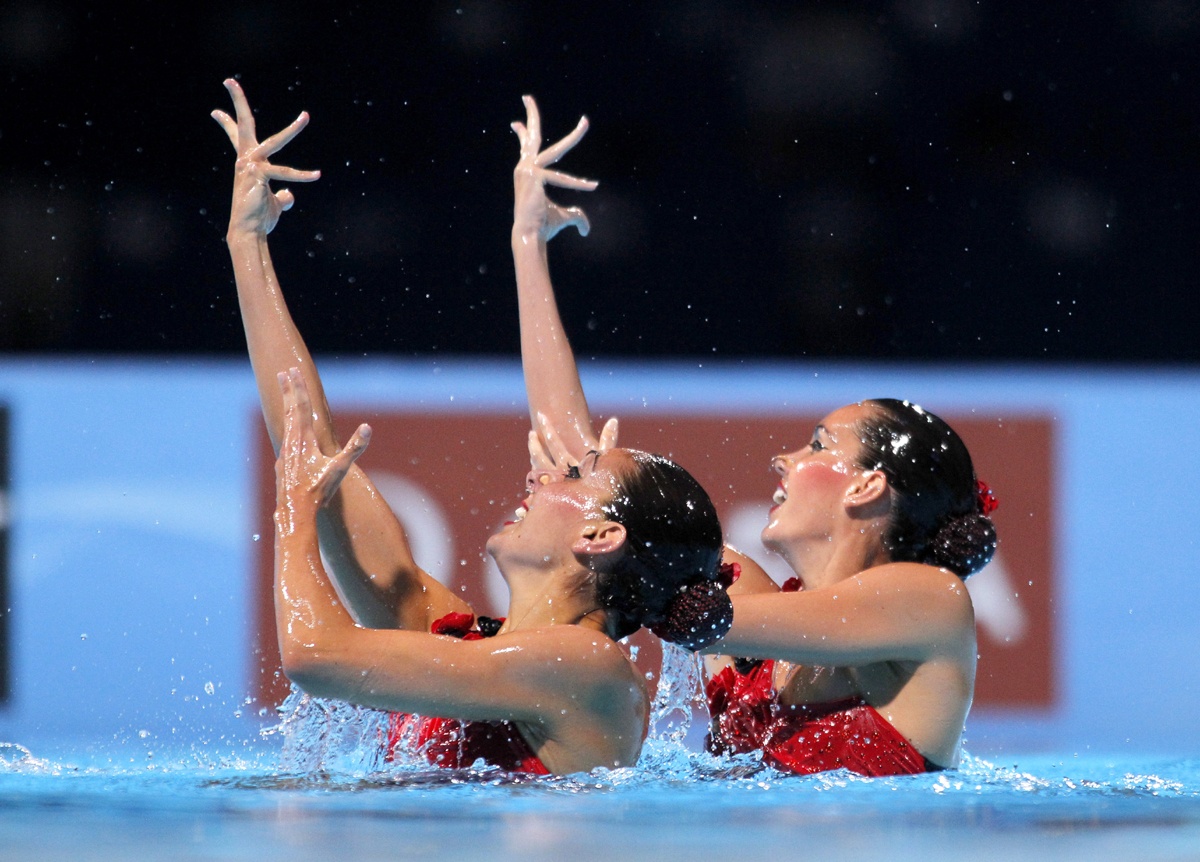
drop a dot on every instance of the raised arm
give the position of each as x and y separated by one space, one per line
270 333
365 544
552 382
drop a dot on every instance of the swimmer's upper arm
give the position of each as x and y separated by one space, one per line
372 563
895 612
544 675
753 579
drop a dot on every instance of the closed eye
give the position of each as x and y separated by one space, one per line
575 470
816 445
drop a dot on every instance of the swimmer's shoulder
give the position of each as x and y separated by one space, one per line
939 594
753 577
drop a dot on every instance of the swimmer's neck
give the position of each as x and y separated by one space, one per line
553 599
826 562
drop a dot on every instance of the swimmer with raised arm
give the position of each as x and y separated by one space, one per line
604 543
866 659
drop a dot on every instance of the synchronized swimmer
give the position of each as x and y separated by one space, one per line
866 659
605 543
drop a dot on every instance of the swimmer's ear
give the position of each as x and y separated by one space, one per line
605 537
866 488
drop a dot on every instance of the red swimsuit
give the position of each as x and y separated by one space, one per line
455 744
813 737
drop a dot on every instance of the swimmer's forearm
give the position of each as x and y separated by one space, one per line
367 549
307 608
552 382
273 341
897 612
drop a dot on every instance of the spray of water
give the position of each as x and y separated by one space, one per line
321 735
678 696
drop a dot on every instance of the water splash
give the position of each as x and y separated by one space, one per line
329 735
334 745
18 758
679 694
1058 779
677 699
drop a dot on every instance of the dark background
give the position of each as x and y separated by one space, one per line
917 179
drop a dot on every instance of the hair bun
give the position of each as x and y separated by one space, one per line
698 615
964 545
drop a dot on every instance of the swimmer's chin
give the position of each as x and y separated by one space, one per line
767 537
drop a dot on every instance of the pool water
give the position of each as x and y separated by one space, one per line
677 805
315 786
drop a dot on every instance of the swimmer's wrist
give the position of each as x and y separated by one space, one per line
526 234
237 235
291 518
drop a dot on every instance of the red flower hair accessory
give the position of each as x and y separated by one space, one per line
730 572
463 626
455 625
984 497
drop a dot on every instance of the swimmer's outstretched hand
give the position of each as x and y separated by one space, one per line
548 453
255 208
533 213
305 477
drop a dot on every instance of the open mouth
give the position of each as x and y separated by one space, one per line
518 514
780 496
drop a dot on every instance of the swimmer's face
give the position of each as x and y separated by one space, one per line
814 480
560 507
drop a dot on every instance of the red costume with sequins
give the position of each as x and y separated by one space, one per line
455 744
816 737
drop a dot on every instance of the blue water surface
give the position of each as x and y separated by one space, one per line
315 787
676 805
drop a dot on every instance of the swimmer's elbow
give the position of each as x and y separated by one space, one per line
315 668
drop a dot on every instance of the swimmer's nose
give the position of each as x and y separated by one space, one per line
538 477
780 464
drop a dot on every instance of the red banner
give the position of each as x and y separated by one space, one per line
453 479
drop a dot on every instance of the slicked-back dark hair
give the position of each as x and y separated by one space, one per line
935 518
673 540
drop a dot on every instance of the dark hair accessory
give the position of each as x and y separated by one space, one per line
698 615
964 545
490 626
730 572
987 500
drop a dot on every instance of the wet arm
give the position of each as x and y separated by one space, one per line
551 376
367 549
366 545
899 612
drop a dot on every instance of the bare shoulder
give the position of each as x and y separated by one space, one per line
934 590
590 675
571 659
753 577
916 576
